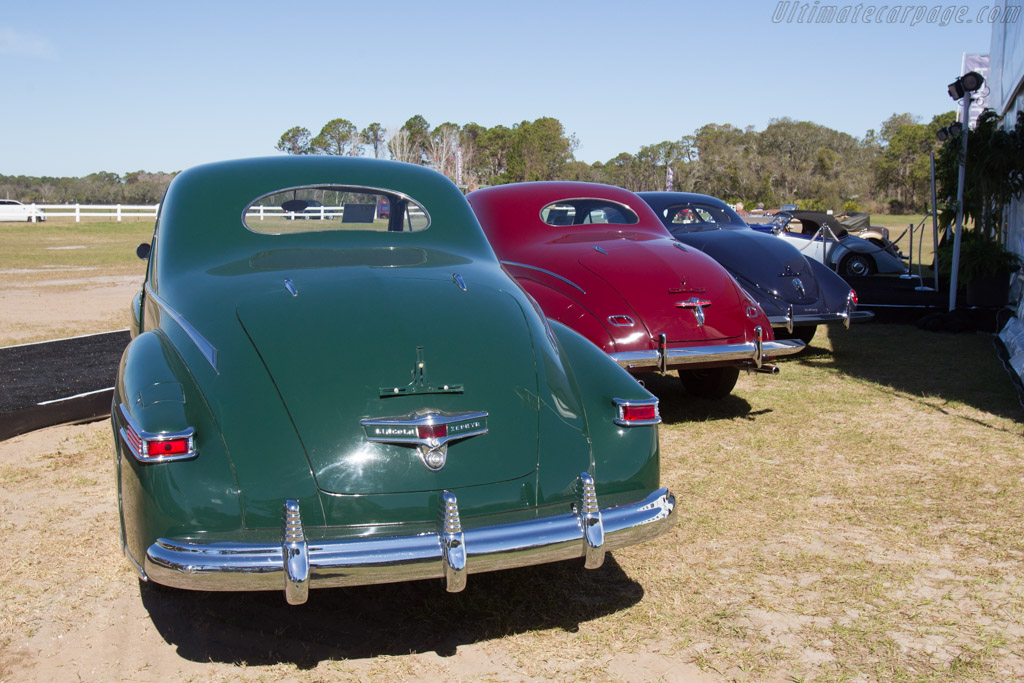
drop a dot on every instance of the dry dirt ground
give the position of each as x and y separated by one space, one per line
879 541
62 302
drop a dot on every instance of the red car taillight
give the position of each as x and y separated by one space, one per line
636 413
853 297
150 447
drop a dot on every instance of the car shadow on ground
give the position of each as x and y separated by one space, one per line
678 406
393 619
938 367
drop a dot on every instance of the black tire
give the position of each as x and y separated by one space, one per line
804 334
710 383
857 265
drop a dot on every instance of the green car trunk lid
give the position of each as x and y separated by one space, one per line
338 350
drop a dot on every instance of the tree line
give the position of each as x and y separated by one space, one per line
788 162
138 187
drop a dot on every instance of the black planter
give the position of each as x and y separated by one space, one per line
989 291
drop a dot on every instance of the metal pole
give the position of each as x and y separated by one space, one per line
935 230
959 202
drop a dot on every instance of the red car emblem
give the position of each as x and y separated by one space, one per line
697 305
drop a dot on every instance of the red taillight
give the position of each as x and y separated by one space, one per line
433 431
639 413
156 447
853 297
159 449
636 413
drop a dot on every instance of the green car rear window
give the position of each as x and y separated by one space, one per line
331 207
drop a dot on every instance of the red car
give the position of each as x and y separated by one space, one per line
597 259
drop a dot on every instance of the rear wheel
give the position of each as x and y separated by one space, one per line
804 334
710 383
857 265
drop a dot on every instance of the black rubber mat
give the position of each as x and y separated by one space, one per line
59 381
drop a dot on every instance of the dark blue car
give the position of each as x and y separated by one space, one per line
797 293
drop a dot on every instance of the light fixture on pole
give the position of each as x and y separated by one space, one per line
961 89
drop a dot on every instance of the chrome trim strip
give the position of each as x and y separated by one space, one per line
689 355
136 438
227 566
459 282
599 249
290 286
622 403
546 272
208 350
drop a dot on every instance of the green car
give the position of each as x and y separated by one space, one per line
361 400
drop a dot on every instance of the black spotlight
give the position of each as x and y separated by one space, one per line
951 131
968 83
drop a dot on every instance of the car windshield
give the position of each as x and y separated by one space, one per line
332 208
587 212
697 216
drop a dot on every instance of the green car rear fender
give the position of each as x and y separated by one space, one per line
156 395
625 460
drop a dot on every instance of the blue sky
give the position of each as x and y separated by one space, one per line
124 86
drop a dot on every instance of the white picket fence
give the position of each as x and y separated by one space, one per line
80 211
121 211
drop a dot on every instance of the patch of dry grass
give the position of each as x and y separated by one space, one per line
853 516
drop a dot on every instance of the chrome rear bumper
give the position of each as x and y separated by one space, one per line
783 321
664 358
296 564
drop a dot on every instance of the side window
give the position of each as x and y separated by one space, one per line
334 208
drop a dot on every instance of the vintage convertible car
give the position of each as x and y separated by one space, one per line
821 237
797 293
323 403
858 224
596 258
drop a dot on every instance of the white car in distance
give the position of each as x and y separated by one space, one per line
12 210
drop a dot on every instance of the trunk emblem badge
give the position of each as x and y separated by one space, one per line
429 431
697 305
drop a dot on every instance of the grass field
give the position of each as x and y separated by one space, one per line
857 517
56 245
